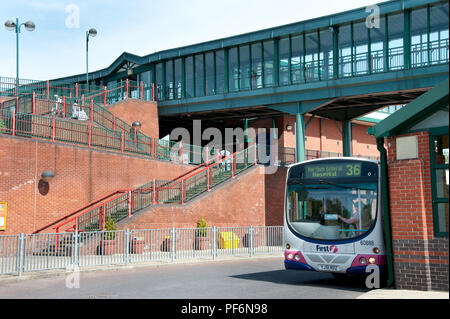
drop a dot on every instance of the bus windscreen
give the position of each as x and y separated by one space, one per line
332 201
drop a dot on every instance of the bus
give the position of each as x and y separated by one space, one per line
333 219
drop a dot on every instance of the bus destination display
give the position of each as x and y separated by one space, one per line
333 170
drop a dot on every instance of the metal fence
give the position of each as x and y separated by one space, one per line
38 252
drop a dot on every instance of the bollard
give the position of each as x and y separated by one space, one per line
213 242
21 253
172 244
127 247
75 248
250 246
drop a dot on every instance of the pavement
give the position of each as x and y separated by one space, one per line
403 294
382 293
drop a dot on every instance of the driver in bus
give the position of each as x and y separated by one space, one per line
354 219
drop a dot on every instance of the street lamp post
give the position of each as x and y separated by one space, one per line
10 26
92 32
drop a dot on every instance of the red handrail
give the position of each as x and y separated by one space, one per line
75 212
223 159
77 216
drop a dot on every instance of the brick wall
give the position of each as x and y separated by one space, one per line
275 183
420 259
322 135
82 175
145 112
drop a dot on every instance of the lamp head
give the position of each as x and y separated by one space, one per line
10 25
136 124
30 26
92 32
47 176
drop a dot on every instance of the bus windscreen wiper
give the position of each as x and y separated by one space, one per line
296 181
342 186
335 184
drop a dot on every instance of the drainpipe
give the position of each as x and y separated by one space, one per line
386 212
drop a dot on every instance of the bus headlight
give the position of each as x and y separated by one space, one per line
289 256
297 257
362 260
372 260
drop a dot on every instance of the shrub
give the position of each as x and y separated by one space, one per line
202 228
111 227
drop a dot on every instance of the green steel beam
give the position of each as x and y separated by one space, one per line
290 59
407 38
385 202
352 48
335 52
319 73
347 138
227 73
304 57
276 62
214 72
204 73
194 73
369 51
163 81
386 46
262 64
183 77
299 137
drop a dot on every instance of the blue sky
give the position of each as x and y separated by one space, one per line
57 47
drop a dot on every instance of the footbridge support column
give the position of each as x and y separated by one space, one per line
299 137
347 138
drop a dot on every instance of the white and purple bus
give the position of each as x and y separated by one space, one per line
333 219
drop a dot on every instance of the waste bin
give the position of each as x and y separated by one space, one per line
227 240
165 245
137 245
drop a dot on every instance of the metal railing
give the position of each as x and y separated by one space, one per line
373 61
177 191
76 121
286 155
23 253
100 94
121 137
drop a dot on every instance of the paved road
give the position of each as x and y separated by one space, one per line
254 278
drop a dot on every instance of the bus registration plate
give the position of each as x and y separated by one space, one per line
328 267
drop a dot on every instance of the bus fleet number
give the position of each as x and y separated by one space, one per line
353 170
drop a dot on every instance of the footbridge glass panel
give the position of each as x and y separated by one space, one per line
407 35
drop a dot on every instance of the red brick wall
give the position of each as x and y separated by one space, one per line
146 112
274 194
410 192
421 260
81 176
363 143
238 202
322 135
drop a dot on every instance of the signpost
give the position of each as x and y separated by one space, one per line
2 215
